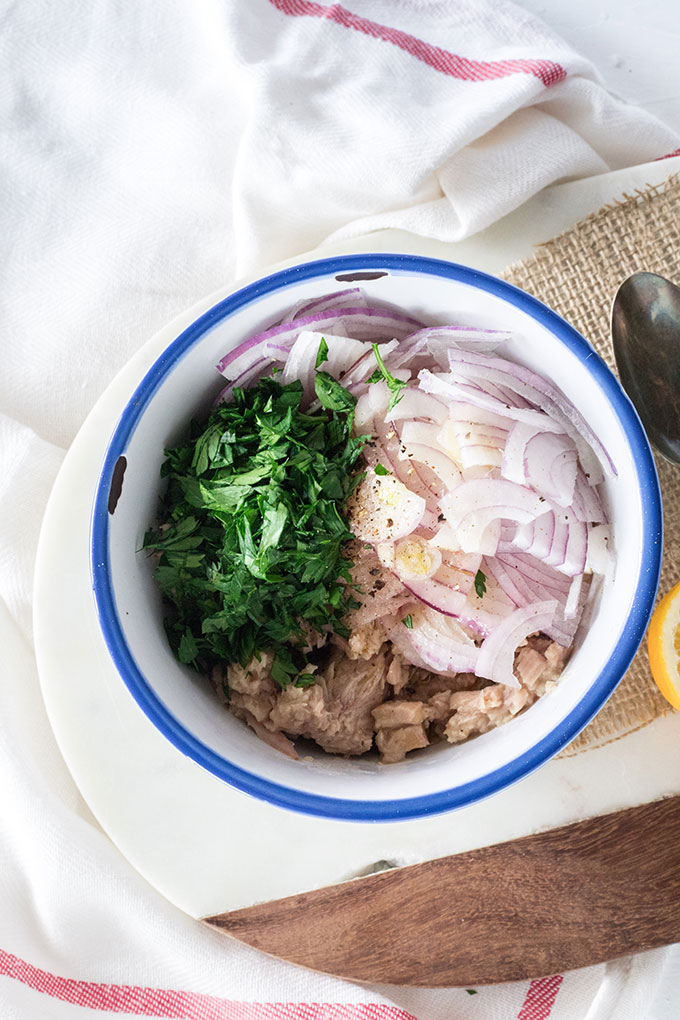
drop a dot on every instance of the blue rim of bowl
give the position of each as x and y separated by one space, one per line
518 768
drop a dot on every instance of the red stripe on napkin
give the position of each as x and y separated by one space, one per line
172 1003
167 1002
546 71
669 155
540 998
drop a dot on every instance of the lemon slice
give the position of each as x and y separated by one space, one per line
663 642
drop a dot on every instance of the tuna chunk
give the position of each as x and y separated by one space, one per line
477 712
530 666
556 656
253 678
336 711
399 673
279 741
395 744
400 713
366 641
425 685
252 692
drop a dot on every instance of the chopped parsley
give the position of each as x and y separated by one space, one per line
322 353
395 386
332 394
380 470
471 991
480 583
408 621
251 532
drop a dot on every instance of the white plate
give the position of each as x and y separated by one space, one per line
205 846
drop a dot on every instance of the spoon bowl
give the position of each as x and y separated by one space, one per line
646 339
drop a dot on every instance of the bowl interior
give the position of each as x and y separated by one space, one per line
183 383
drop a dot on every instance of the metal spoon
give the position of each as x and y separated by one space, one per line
646 337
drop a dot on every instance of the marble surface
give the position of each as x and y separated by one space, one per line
223 841
634 46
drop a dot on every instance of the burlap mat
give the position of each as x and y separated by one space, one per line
578 274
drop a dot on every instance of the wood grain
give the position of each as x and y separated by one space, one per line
540 905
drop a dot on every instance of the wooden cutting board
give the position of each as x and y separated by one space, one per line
568 898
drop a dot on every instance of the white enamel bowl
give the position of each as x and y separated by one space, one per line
183 383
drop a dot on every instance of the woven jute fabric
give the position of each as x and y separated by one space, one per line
578 274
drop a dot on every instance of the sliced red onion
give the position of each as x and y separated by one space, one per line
476 504
538 537
341 299
448 590
571 606
438 596
399 635
355 377
506 541
551 462
558 545
437 340
386 450
371 405
544 461
458 568
419 442
441 465
541 393
372 324
249 376
503 576
444 386
538 575
527 581
482 614
479 444
414 404
467 413
513 467
554 542
443 647
343 352
586 505
577 550
600 557
497 654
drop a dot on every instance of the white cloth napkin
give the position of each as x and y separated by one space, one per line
150 153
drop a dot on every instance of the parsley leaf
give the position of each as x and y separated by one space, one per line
395 386
480 583
333 394
408 621
471 991
380 470
283 669
322 353
251 533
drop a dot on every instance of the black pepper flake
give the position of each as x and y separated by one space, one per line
374 572
379 585
390 522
